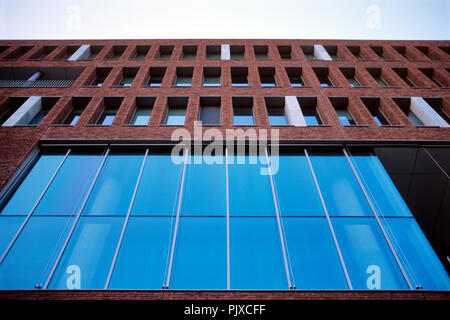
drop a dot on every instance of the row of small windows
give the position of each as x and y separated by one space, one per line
281 111
211 77
234 52
116 218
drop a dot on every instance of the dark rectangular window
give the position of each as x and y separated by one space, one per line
373 105
425 50
189 52
285 52
261 52
322 76
237 52
12 105
308 105
429 72
340 105
211 76
404 104
176 111
78 106
308 51
165 52
349 73
275 111
376 73
100 76
116 52
267 76
295 76
143 111
210 110
67 52
110 107
213 52
42 53
403 73
243 111
47 104
128 75
184 76
141 52
18 53
402 51
239 76
379 52
356 51
333 52
156 76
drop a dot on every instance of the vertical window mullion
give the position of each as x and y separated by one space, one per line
330 225
177 220
33 208
228 222
280 229
119 243
391 247
61 252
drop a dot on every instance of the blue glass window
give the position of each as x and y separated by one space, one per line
159 186
89 254
115 185
423 266
314 259
382 190
30 260
342 194
297 193
243 117
200 260
176 116
369 261
31 188
9 225
256 258
250 191
69 188
205 187
143 254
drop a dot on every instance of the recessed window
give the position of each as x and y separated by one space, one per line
18 53
267 76
322 76
430 73
379 51
110 107
333 52
425 50
213 52
46 104
404 74
128 75
373 105
237 52
141 52
340 105
405 105
308 51
116 52
437 104
308 105
285 52
189 52
243 111
356 51
42 53
100 76
211 76
376 73
239 77
275 111
12 105
143 111
67 52
184 76
176 111
295 76
4 48
261 52
349 73
156 76
402 51
210 110
78 106
165 52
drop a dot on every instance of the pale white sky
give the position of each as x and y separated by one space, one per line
281 19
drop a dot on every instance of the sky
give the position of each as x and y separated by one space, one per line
226 19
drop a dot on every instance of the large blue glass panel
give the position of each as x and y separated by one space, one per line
342 194
297 193
9 225
30 260
159 186
250 191
143 254
256 258
200 260
115 185
369 261
313 255
204 192
381 189
89 254
69 188
423 266
31 188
